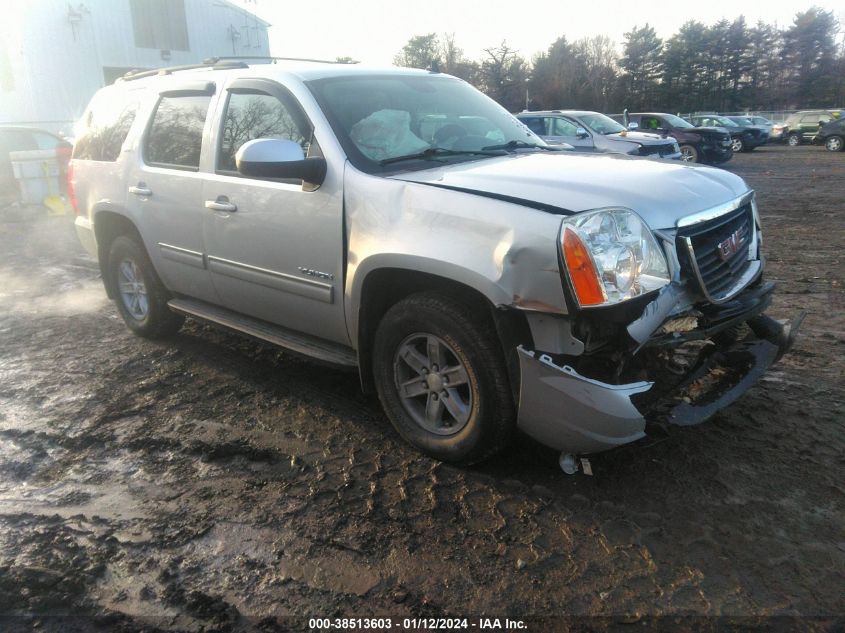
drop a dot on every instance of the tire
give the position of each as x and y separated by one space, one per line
794 140
140 296
689 154
476 385
834 144
737 145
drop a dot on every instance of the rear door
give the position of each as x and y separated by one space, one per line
165 189
275 247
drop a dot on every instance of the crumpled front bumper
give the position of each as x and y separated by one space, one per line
572 413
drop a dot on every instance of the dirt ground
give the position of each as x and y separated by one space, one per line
214 483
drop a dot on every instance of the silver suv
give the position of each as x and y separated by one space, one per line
400 222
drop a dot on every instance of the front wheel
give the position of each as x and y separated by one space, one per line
737 145
834 144
441 378
140 296
689 154
794 140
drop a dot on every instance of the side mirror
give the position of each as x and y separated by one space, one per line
581 133
633 126
278 158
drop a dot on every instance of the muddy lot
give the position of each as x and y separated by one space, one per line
214 483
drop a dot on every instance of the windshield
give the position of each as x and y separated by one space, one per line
676 121
601 124
724 121
380 118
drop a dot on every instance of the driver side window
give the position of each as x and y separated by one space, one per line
652 123
251 115
563 127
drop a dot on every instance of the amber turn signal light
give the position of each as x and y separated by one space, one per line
582 271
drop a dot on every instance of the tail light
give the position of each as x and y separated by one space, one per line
71 189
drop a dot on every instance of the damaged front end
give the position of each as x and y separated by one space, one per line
676 356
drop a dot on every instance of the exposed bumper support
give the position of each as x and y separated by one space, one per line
560 408
569 412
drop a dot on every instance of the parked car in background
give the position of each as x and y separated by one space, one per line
20 139
697 144
832 136
754 121
802 127
761 121
589 131
744 137
778 133
480 280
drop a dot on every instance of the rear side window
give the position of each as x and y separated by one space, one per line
535 124
175 136
104 127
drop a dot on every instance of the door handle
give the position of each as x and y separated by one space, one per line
221 204
141 190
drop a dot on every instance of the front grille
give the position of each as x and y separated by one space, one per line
662 149
715 252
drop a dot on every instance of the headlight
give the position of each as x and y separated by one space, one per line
611 256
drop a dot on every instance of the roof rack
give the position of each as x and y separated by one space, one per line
221 63
215 60
140 74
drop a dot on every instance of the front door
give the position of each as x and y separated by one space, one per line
562 130
274 247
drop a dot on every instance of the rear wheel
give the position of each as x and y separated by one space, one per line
140 296
441 378
794 140
689 154
834 144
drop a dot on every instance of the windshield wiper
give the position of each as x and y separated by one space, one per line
436 152
512 145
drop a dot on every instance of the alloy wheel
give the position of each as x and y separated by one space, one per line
834 144
432 384
133 291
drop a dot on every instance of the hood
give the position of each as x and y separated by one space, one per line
711 131
660 192
642 138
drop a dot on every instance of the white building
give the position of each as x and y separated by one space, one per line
55 54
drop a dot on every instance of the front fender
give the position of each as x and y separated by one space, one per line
505 251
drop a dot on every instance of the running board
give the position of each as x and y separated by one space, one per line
319 349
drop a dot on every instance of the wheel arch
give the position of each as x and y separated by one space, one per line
382 287
110 223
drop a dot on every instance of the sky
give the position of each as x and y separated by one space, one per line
373 31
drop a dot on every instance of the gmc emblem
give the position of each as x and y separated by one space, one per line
729 247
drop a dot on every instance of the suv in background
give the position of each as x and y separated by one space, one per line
802 127
594 132
832 136
697 144
744 136
401 223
